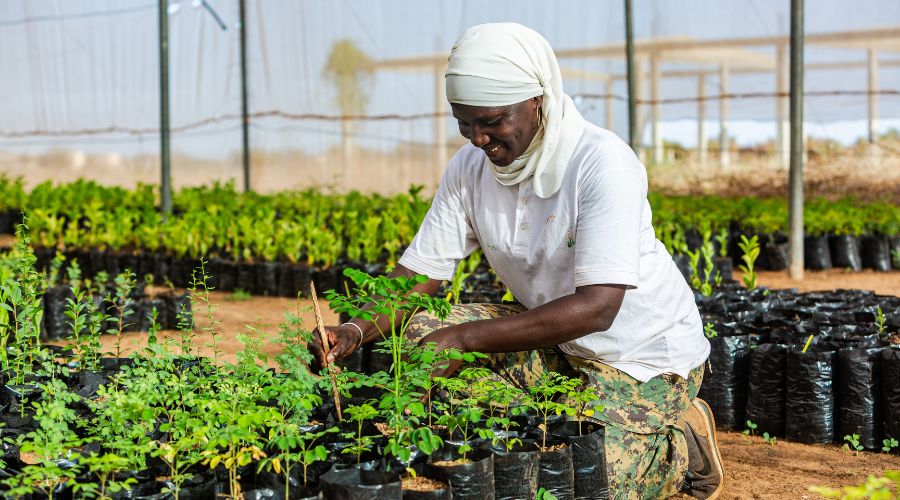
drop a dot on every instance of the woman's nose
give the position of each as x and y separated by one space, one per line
478 137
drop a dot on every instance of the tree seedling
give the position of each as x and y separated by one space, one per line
123 306
361 444
44 478
583 399
104 469
750 252
291 447
770 440
888 444
880 321
710 331
550 385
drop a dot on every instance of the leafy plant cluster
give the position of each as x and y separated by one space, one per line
321 228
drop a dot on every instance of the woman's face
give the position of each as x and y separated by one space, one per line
503 133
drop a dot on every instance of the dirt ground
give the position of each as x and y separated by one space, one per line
754 469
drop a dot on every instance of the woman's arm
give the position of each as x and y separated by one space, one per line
590 309
343 339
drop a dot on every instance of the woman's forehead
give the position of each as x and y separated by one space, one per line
481 112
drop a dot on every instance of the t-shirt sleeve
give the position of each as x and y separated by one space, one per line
445 236
610 205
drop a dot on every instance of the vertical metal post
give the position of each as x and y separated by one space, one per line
782 148
608 106
724 147
701 119
795 206
440 124
655 108
245 115
872 101
166 181
633 138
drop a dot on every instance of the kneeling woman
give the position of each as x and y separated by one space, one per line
559 208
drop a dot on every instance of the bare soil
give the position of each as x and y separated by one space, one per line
421 483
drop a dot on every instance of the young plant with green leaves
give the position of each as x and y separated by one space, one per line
852 443
584 399
360 414
43 478
102 468
749 253
290 447
123 306
889 444
392 298
20 301
543 394
709 331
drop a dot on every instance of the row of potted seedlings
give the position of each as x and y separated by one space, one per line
165 423
817 368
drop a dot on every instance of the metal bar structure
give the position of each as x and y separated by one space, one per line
795 197
245 115
633 139
164 132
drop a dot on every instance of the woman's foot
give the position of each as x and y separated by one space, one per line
705 476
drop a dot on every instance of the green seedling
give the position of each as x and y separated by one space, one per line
103 468
543 494
710 331
880 321
852 442
584 400
360 414
722 240
751 428
122 303
456 284
290 448
888 444
551 385
770 440
508 296
750 252
43 479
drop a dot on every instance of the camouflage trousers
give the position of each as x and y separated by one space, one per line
646 450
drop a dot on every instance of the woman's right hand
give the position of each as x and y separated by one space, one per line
343 340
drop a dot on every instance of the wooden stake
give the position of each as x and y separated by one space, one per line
325 348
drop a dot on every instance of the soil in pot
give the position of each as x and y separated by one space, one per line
423 488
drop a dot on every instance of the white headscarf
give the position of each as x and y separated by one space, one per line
499 64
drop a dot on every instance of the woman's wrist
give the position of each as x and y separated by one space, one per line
358 330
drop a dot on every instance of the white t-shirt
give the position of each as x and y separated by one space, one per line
595 230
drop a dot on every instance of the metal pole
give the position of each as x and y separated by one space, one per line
701 119
795 207
633 139
245 115
166 181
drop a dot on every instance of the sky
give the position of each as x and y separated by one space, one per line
89 68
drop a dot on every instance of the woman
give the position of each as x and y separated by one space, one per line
559 207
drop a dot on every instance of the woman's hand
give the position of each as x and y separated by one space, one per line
343 340
444 339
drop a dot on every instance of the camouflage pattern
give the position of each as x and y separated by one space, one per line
646 450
